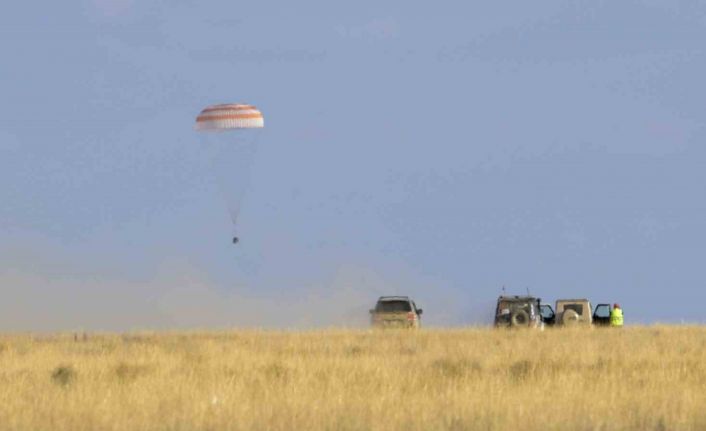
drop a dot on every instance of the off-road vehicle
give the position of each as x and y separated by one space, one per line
518 312
396 312
572 312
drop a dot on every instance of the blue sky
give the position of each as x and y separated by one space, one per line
441 151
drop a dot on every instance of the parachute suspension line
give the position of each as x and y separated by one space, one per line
231 164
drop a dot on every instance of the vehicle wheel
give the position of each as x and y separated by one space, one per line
519 318
569 318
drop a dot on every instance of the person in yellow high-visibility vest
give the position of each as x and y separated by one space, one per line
616 316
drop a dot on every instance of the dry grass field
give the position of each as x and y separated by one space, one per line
638 378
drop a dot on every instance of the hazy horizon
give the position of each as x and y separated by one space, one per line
438 151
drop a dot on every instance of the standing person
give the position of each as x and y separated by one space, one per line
616 316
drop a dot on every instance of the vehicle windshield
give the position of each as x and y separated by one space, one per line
393 306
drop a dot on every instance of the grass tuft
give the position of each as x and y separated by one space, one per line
522 370
127 373
63 375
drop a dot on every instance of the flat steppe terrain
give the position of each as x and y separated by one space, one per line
636 378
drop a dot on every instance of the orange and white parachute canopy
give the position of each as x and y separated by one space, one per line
229 116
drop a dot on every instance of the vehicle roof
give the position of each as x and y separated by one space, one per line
573 300
394 298
517 298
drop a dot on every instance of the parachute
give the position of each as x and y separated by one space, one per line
229 133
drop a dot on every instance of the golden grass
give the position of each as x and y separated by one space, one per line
638 378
